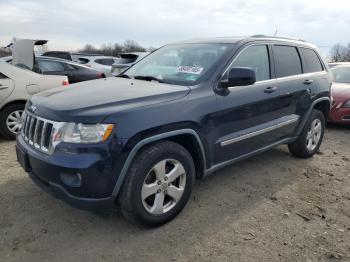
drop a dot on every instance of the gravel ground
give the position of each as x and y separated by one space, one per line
272 207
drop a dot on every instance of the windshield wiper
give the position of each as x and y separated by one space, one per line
149 78
123 76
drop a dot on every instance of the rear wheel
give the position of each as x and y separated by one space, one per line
10 120
158 184
311 137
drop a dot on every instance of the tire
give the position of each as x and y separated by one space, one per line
314 127
143 175
5 120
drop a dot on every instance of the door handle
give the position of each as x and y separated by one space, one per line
308 82
3 87
270 90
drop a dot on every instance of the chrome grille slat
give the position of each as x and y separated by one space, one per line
37 132
43 134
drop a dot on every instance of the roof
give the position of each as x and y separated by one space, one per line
236 39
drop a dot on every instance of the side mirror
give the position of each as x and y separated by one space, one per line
239 76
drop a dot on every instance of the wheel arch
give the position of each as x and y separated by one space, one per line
188 138
323 104
19 101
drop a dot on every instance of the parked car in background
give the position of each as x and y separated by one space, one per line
16 86
139 141
331 65
340 112
100 63
74 71
125 61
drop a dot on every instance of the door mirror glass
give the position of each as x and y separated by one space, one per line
239 76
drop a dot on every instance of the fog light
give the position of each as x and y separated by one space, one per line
72 180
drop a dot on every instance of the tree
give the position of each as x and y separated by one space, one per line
340 53
132 46
113 49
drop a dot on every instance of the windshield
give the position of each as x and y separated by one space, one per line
181 64
341 74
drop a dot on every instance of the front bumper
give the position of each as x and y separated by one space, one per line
99 205
95 166
340 115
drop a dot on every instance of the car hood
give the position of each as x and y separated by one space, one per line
92 101
340 91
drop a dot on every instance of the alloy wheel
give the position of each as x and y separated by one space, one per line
163 186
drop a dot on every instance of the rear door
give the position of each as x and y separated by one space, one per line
295 88
246 120
6 87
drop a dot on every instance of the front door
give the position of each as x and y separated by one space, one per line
247 115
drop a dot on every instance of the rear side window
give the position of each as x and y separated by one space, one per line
311 62
256 57
287 61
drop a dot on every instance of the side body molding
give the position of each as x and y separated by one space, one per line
146 141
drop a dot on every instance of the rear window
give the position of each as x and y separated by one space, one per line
126 59
311 62
65 56
83 61
50 66
287 61
105 61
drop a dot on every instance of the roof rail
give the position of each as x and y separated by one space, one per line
279 37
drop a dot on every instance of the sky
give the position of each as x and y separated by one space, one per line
70 24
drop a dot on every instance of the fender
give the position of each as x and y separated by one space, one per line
146 141
308 113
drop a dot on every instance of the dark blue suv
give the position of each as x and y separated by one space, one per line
139 141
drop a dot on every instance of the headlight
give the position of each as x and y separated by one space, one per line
82 133
346 104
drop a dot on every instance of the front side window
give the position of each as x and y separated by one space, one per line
182 64
311 62
287 61
257 58
341 74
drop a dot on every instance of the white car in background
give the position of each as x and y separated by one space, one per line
125 61
99 63
17 85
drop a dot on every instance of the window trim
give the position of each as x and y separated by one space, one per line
270 45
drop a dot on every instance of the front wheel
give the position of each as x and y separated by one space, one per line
10 120
311 137
158 184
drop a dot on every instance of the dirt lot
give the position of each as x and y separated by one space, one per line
272 207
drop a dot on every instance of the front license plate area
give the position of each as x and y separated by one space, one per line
22 158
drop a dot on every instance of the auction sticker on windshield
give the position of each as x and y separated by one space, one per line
190 69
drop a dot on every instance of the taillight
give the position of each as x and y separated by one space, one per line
65 82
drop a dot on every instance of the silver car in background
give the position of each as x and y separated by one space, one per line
99 63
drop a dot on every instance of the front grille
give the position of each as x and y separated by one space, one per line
37 132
